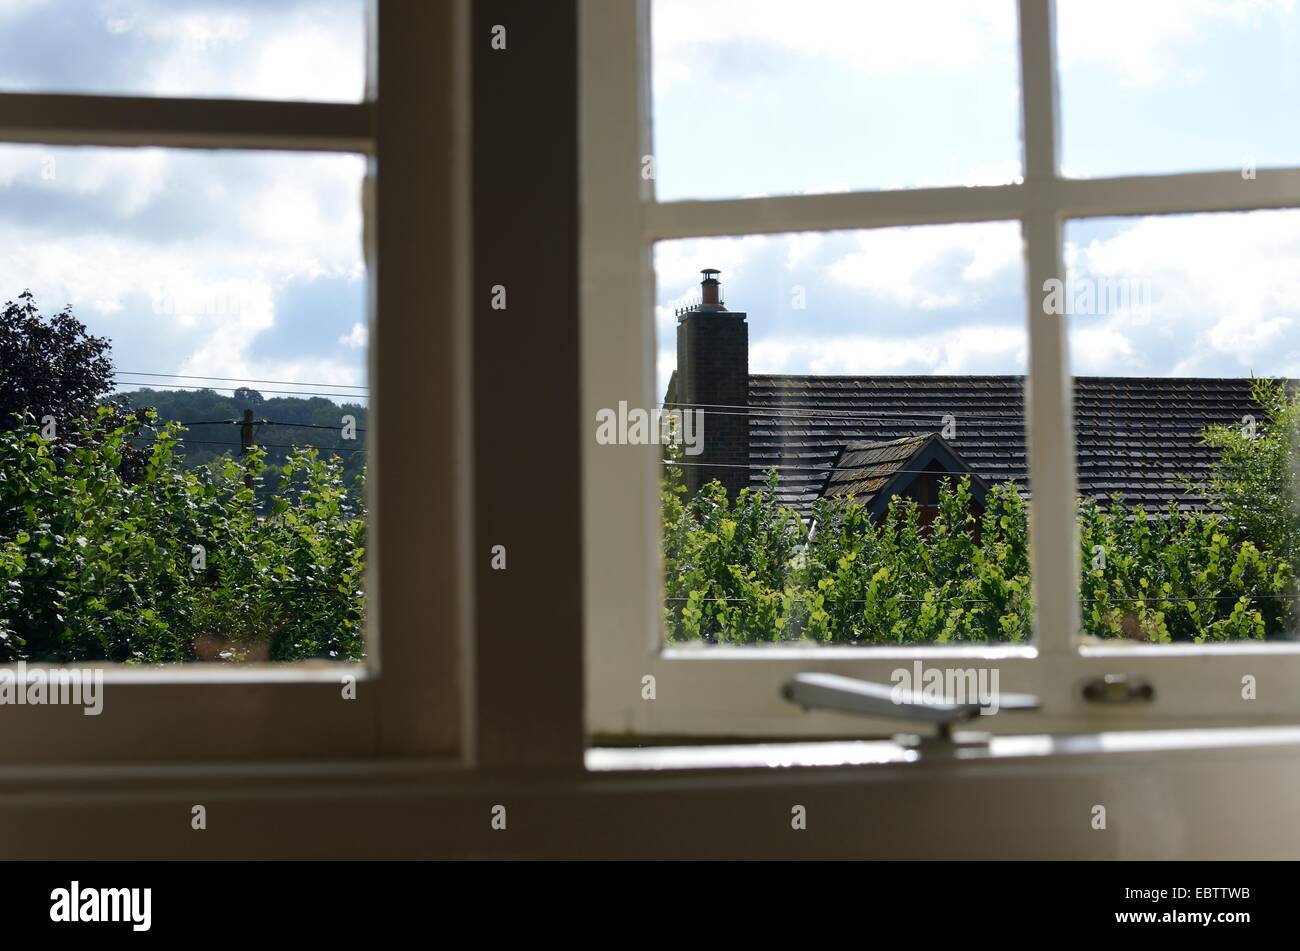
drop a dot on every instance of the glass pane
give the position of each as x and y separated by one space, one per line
1185 338
1173 87
179 325
768 97
848 456
271 49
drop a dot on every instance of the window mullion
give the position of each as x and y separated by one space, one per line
1049 416
1039 102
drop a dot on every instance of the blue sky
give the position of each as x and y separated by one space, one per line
759 97
229 264
249 264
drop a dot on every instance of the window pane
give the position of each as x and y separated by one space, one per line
278 49
155 297
769 97
1170 86
1185 338
849 460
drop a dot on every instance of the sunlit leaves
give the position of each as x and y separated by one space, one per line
95 565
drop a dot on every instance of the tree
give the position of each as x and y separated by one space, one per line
1255 479
50 365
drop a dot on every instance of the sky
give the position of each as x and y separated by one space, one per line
763 97
249 264
194 263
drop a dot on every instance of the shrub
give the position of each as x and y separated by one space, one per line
95 566
748 570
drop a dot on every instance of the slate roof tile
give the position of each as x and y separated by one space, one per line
1135 436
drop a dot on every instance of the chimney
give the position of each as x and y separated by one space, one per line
713 376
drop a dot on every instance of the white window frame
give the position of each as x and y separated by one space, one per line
734 691
412 696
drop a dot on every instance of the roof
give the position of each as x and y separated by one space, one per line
873 472
1135 436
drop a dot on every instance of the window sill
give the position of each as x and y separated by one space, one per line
881 752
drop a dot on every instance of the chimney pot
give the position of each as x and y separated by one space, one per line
711 290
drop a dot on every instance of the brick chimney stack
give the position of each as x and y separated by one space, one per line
713 376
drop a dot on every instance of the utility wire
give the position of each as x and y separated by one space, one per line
817 412
236 379
265 445
258 422
232 389
191 387
798 468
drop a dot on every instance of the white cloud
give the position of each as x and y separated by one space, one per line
357 338
1207 295
292 49
192 256
906 264
311 52
678 263
1098 349
1225 294
200 246
876 38
1145 42
970 349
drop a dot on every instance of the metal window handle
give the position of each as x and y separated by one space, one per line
867 699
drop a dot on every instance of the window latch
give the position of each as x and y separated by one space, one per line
1118 688
867 699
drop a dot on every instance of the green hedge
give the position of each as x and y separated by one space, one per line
97 557
747 571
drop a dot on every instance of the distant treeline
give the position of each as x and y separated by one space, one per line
314 421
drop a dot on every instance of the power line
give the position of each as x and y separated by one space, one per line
265 445
818 413
191 387
259 422
827 468
236 379
232 389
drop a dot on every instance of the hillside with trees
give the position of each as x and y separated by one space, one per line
125 536
212 423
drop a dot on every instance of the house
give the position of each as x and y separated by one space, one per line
878 436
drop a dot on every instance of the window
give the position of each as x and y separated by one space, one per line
631 235
365 165
224 296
